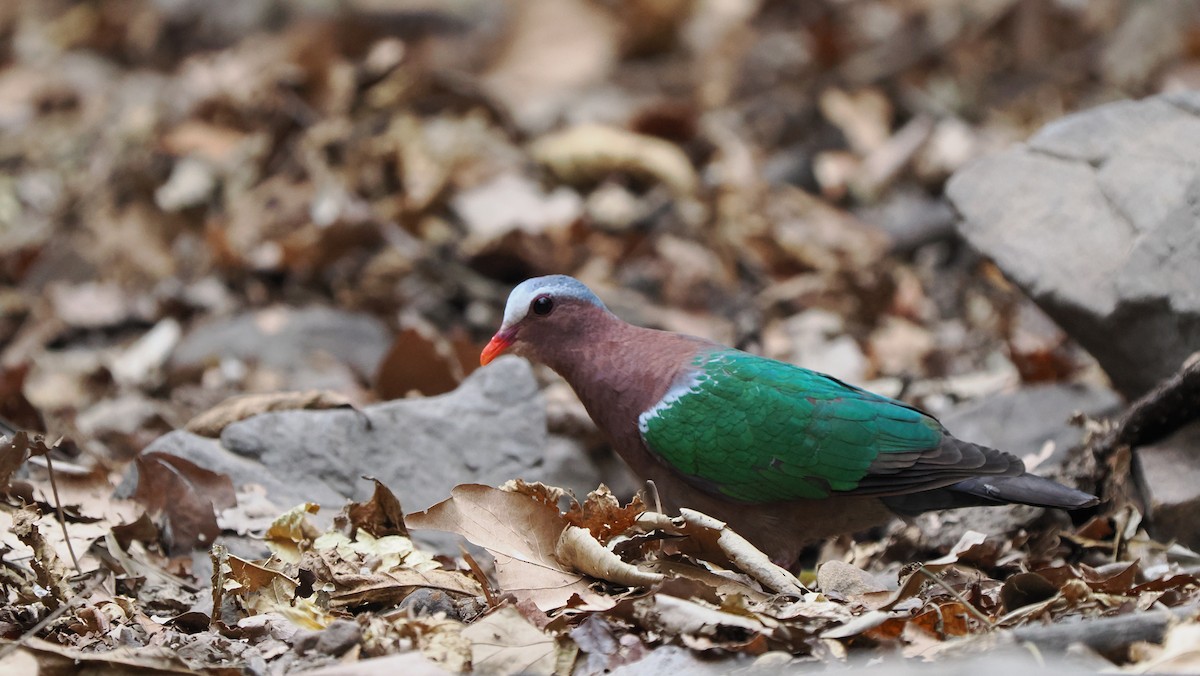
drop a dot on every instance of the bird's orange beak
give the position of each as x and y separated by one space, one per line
498 344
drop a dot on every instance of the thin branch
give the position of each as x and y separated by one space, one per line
62 521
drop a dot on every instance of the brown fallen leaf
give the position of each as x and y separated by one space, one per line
521 532
602 514
420 359
14 407
51 573
15 451
391 587
380 516
185 495
51 658
697 625
213 421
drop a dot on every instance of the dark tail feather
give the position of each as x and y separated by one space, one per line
1026 489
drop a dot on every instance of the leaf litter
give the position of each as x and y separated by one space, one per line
562 580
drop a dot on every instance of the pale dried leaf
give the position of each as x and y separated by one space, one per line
589 153
213 421
521 532
505 643
290 531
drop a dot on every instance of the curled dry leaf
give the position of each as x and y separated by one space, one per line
380 516
579 550
291 532
213 421
547 495
590 152
712 534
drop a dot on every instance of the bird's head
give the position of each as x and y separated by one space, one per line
542 312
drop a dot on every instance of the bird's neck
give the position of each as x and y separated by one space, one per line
618 371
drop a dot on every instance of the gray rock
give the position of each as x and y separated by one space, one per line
1168 476
489 430
1096 218
287 339
1021 422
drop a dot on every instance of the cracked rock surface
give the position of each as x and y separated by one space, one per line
1097 217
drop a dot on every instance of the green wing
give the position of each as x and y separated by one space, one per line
759 430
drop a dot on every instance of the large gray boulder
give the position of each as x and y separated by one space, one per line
489 430
1097 217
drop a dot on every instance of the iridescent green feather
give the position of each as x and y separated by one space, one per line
759 430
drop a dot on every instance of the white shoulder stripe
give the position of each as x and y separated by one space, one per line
677 391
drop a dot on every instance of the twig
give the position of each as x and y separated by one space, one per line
477 571
62 521
975 612
99 575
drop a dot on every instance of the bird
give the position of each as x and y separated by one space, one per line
784 455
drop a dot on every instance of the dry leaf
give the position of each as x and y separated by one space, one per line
13 453
712 534
51 572
266 590
186 495
505 643
577 549
602 514
419 360
589 153
291 532
213 421
380 516
521 532
698 625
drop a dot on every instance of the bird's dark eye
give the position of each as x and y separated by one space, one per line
542 305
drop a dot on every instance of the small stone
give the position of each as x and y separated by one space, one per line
338 637
427 601
843 579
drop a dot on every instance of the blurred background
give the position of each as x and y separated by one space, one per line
200 198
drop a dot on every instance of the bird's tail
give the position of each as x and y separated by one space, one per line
1025 489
